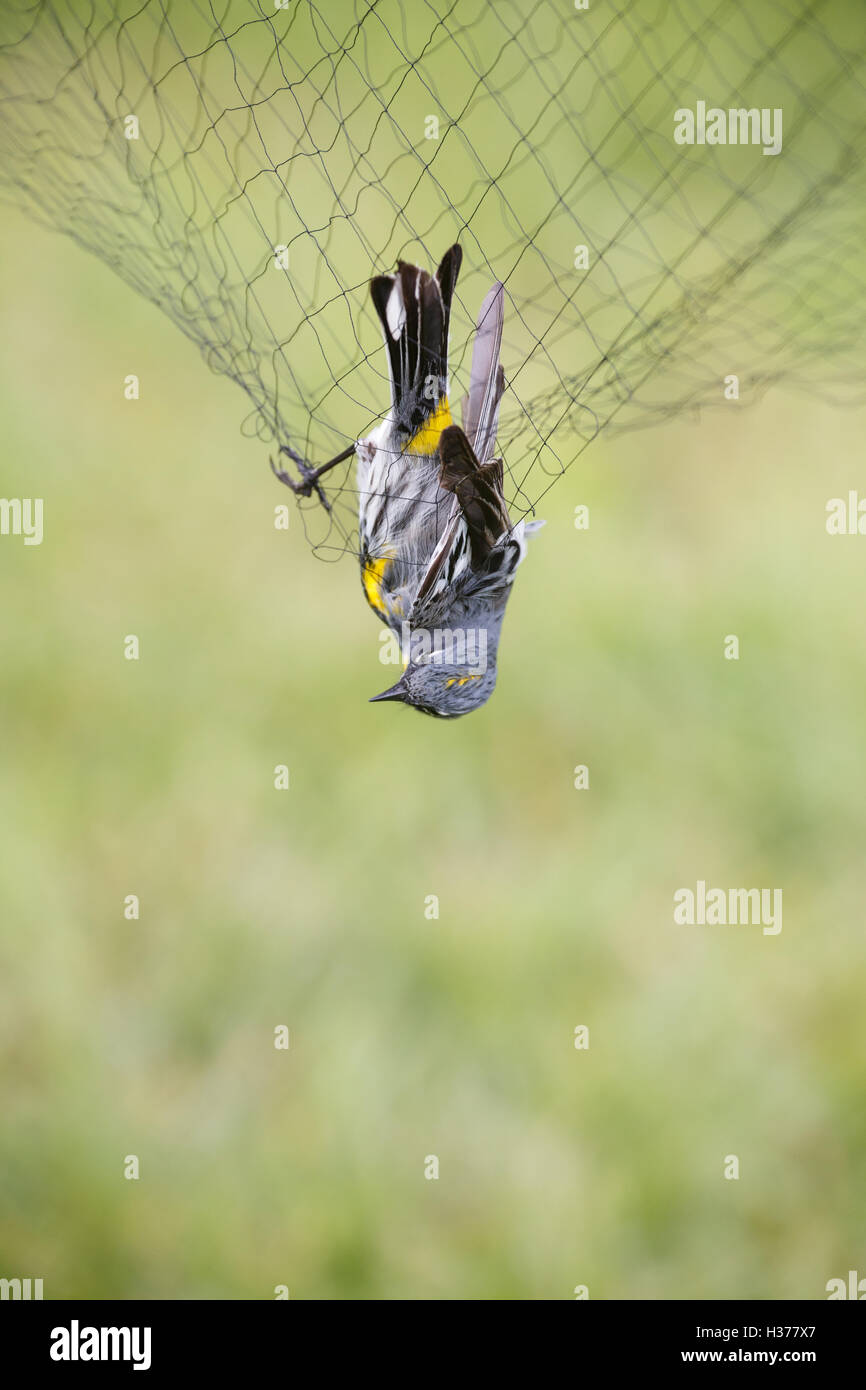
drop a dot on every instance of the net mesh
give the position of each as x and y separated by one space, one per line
248 167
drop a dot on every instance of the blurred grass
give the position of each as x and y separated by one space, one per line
412 1037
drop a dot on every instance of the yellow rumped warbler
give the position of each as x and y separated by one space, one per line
437 547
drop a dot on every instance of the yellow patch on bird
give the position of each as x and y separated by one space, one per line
426 441
372 576
461 680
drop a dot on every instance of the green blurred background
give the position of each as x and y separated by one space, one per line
412 1037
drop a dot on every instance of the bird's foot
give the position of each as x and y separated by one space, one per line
309 482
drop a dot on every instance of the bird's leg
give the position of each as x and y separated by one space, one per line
309 476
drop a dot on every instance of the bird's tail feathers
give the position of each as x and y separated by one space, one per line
414 309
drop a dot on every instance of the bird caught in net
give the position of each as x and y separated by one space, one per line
667 191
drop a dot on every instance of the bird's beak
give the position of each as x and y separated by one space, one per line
397 692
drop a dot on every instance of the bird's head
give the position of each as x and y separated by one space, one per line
444 691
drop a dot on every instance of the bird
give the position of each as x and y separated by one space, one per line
437 547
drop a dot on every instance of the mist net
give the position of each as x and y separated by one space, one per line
671 191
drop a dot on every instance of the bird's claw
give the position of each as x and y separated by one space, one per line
309 477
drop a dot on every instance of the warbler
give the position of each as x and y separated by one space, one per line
437 547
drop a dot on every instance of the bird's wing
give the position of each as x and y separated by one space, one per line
478 488
487 379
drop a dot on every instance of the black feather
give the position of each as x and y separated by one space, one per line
380 290
479 490
449 269
418 356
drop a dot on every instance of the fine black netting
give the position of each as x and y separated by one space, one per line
282 154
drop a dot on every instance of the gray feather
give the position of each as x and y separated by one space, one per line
486 381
